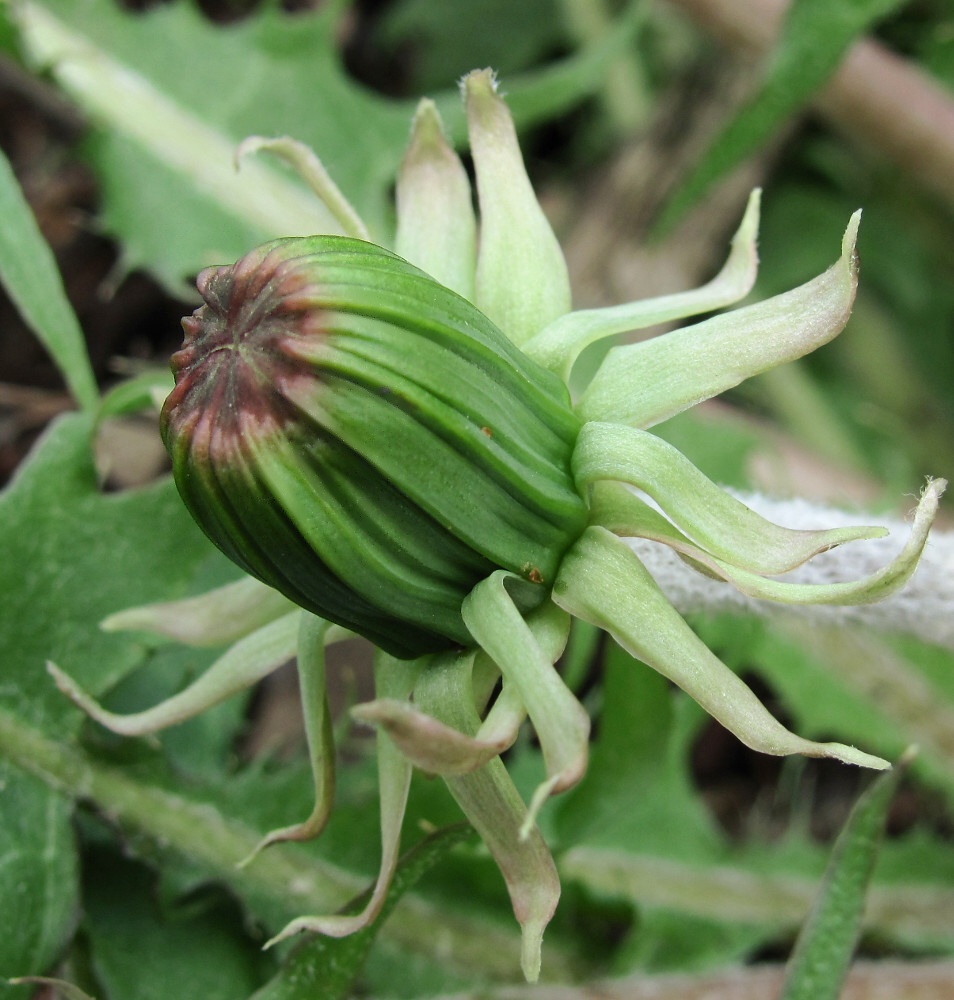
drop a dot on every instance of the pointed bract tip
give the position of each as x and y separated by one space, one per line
486 108
427 134
248 147
849 242
851 755
935 487
289 930
749 226
479 82
121 621
928 503
531 949
426 116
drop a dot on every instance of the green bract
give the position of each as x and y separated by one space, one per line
395 450
367 442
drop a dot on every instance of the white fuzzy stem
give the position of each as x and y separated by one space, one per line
924 607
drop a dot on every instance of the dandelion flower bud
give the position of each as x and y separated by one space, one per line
367 442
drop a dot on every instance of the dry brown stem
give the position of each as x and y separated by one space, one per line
875 97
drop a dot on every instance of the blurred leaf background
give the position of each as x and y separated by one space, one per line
644 126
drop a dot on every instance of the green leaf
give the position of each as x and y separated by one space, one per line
30 276
816 35
200 832
390 974
772 886
451 39
38 875
203 746
73 555
138 952
172 96
135 394
665 940
324 968
819 963
636 830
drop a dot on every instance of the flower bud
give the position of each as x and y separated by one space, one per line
367 442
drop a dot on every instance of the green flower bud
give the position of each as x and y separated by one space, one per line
367 442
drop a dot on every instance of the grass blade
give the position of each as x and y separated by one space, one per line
822 954
31 278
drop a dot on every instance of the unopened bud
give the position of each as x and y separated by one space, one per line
367 442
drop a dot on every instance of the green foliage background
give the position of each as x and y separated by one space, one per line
117 858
